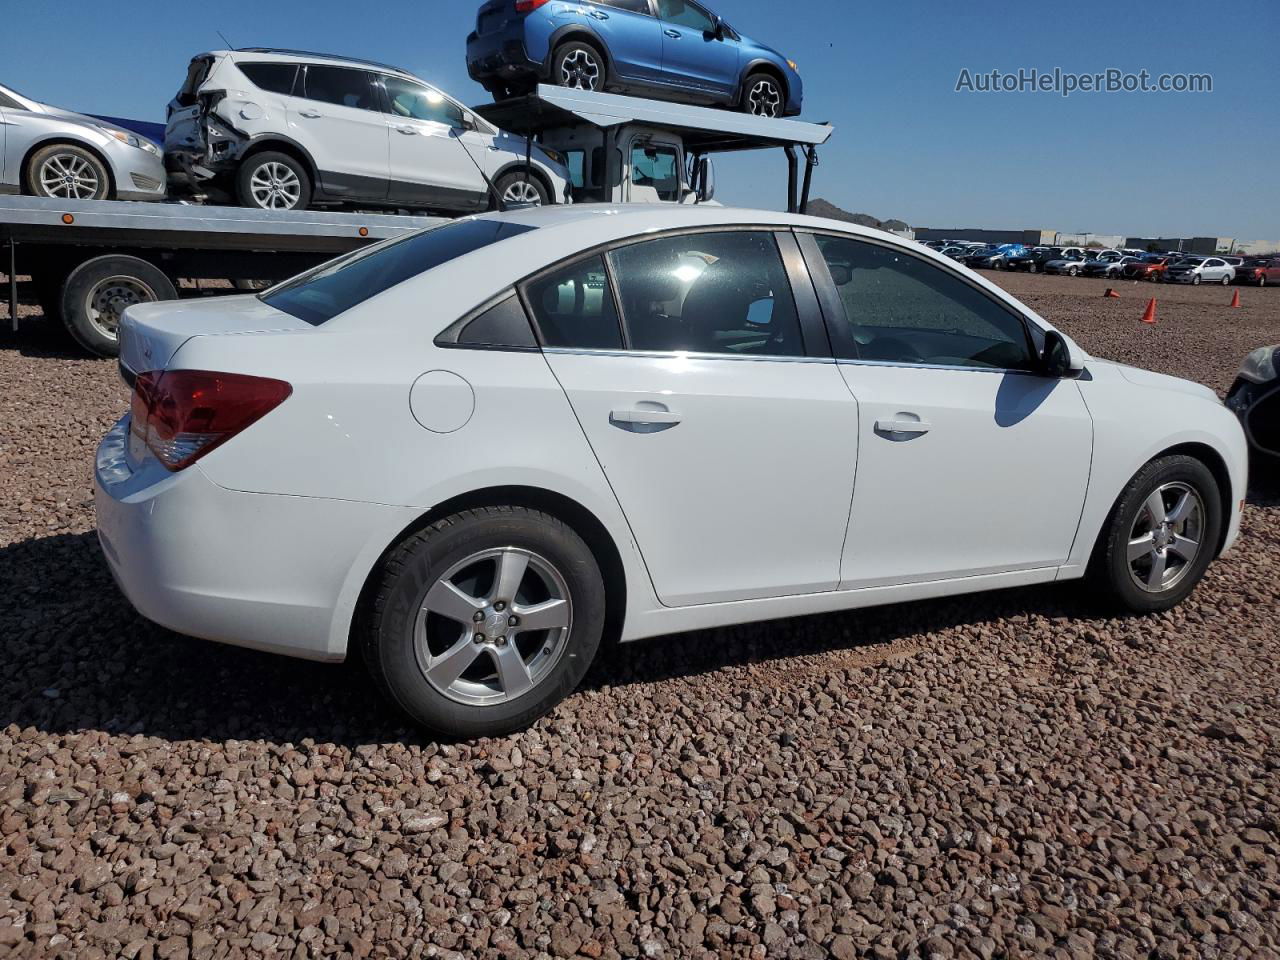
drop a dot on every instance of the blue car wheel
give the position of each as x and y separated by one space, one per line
579 66
762 95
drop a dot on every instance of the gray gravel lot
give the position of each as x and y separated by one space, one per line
996 776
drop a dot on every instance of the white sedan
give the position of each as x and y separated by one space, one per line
473 454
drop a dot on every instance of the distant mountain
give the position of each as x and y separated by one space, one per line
822 208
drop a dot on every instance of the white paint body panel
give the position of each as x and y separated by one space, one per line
739 513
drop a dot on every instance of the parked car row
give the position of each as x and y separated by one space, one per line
1172 267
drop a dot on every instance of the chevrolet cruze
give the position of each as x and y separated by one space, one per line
474 454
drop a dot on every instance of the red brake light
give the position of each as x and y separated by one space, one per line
528 6
182 415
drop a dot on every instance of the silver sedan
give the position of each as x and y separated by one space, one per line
49 152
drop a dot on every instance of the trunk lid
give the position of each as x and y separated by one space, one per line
151 333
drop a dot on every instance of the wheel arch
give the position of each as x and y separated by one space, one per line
519 166
286 145
576 31
761 65
1216 465
580 519
72 141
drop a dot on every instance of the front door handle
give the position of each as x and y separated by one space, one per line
912 427
407 131
645 419
598 14
673 34
309 114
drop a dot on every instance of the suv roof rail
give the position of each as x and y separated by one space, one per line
321 56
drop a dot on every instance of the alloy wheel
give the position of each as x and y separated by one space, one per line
493 627
522 191
108 299
1166 537
275 187
580 70
69 177
765 99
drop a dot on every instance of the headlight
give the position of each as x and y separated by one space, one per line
1260 366
133 140
793 65
555 155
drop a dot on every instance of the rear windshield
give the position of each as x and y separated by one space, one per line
334 288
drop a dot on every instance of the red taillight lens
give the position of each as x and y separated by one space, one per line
182 415
528 6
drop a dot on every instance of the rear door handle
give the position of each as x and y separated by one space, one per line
649 420
913 427
309 114
673 34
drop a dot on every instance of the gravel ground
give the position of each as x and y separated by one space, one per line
995 776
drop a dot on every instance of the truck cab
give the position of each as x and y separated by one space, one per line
657 152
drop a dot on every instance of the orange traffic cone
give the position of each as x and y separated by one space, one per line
1235 301
1149 315
1111 295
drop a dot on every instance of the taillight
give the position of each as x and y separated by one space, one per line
181 415
528 6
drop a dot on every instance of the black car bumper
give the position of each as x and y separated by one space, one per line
502 62
1258 407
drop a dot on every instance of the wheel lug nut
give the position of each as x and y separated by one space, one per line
478 617
513 621
479 638
499 606
502 641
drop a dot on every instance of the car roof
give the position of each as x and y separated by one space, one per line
283 55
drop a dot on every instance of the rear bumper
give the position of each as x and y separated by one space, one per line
274 573
502 57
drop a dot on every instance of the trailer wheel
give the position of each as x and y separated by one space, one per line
98 292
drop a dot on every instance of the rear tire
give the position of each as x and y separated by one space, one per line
62 171
431 664
579 66
1226 281
273 181
99 290
1134 541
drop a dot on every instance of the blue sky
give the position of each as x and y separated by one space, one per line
906 144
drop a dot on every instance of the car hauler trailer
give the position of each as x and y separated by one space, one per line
661 152
90 259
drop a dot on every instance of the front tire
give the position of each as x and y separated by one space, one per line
1226 281
579 66
516 188
762 96
1072 271
485 620
1160 538
62 171
273 181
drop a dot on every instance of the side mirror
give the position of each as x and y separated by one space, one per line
706 180
467 122
718 30
1060 358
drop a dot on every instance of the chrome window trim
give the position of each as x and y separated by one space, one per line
680 355
907 365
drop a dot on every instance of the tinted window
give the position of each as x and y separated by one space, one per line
336 287
420 102
197 70
708 293
635 6
574 307
272 77
576 161
340 85
7 102
656 167
903 309
502 326
686 14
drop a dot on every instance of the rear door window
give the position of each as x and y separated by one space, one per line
343 86
271 77
334 288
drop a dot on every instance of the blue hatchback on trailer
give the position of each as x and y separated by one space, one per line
670 49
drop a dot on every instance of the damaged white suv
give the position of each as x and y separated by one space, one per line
285 130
